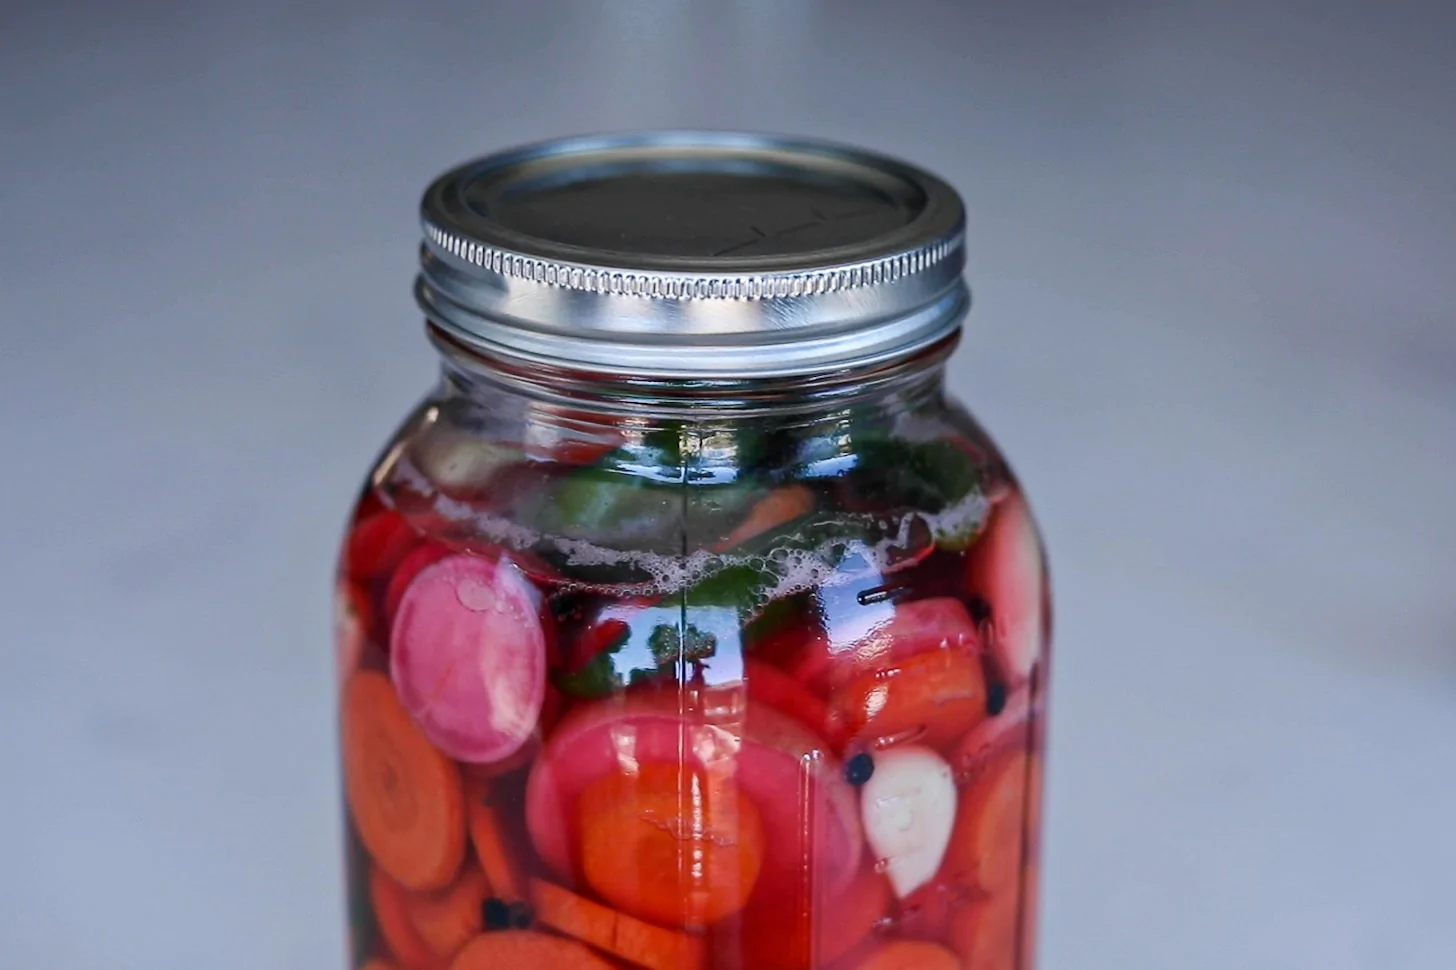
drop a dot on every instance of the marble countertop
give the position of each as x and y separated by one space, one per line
1215 328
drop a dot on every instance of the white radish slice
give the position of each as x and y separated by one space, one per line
468 657
908 807
1006 569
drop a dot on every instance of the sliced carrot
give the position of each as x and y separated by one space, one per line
1030 898
377 963
985 933
985 849
392 911
527 950
448 918
494 848
1034 772
670 844
931 697
779 507
616 933
909 955
405 797
803 929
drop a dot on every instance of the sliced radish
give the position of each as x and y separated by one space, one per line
1005 569
908 808
766 684
810 823
468 657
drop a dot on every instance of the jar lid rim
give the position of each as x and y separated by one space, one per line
592 248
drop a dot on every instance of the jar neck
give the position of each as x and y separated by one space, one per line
910 383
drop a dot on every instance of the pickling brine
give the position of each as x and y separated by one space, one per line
724 670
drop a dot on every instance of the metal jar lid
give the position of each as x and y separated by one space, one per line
700 255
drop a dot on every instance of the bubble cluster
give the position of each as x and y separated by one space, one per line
879 543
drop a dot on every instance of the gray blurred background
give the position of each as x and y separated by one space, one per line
1212 247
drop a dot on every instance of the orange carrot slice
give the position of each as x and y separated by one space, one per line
909 955
617 933
526 950
781 506
405 797
494 847
985 849
804 928
392 911
670 844
377 963
1030 898
447 920
932 698
985 933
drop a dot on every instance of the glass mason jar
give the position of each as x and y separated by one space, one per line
687 624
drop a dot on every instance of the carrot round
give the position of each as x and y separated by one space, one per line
932 698
392 911
986 844
909 955
447 919
404 796
779 507
494 848
616 933
527 950
670 844
985 933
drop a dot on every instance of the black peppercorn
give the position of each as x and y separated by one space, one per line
857 770
995 699
521 915
496 914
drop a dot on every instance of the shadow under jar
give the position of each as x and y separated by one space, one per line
688 624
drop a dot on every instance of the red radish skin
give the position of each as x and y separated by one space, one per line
375 544
404 574
766 684
1005 569
468 657
778 764
353 619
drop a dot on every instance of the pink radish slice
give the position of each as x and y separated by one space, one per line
1005 569
810 814
468 657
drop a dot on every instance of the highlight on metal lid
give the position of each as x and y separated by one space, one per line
693 254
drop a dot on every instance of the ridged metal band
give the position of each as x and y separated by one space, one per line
511 289
690 286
